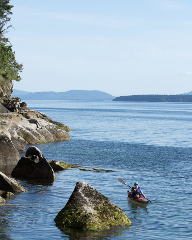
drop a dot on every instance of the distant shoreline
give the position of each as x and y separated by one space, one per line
155 98
79 95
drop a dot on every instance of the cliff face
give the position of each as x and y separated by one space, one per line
22 126
6 88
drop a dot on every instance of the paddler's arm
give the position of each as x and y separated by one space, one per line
143 194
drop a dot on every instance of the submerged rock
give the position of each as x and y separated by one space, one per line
5 194
33 166
9 185
95 170
87 209
59 165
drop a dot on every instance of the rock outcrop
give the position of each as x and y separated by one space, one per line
59 166
9 185
6 88
20 126
87 209
8 152
33 166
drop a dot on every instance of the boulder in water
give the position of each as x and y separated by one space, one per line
87 209
9 185
33 166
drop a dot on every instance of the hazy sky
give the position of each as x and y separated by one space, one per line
121 47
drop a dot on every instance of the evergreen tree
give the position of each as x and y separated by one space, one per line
9 67
5 12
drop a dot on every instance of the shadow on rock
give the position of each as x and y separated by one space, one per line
34 166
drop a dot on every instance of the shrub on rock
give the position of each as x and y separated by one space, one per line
87 209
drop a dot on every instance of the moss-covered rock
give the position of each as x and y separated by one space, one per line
59 165
87 209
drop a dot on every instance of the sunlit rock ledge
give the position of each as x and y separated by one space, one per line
23 126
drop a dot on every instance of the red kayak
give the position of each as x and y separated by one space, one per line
139 201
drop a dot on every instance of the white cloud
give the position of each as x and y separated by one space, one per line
169 4
185 74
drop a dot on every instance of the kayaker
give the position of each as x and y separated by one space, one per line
136 191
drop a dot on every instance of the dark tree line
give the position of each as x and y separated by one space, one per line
155 98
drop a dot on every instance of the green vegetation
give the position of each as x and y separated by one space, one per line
5 12
9 67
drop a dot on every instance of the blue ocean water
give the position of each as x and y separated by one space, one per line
146 142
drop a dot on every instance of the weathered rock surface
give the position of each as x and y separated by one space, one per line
9 185
59 166
25 126
33 166
12 104
3 109
2 200
8 152
6 88
88 209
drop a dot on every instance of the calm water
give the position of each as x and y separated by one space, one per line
147 142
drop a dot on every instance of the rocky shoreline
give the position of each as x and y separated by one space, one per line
86 209
21 126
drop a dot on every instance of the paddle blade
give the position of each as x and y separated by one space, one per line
123 182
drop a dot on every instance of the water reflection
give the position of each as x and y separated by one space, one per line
5 226
136 207
75 234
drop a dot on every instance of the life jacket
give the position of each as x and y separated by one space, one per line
137 193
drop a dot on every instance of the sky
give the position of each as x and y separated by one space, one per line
120 47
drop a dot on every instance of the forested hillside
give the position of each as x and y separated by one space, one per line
155 98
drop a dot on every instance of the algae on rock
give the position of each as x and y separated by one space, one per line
59 165
87 209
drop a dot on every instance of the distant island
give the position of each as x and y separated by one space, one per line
68 95
156 98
